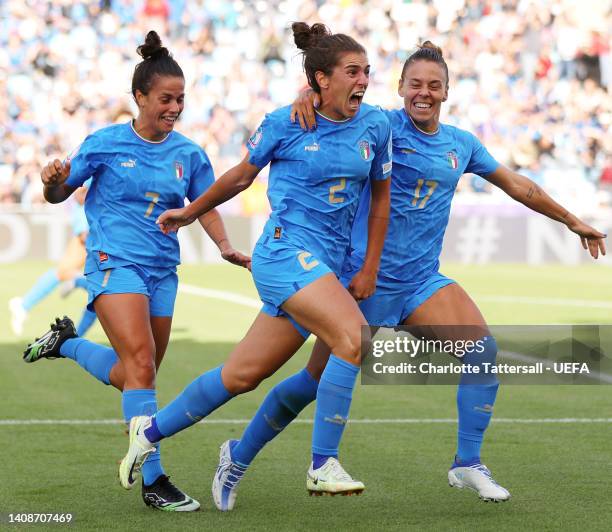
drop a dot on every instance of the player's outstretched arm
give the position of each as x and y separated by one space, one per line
303 109
528 193
54 175
363 285
230 184
215 228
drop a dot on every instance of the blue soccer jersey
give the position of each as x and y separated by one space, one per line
316 177
426 170
133 181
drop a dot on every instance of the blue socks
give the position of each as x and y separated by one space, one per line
204 395
87 320
280 407
93 358
45 284
143 403
333 403
475 400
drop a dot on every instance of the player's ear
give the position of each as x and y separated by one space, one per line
140 98
400 88
322 79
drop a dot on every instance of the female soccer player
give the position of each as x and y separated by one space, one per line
428 160
314 185
138 170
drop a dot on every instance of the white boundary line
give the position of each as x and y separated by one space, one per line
255 303
391 421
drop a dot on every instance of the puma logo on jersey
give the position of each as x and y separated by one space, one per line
407 150
130 163
312 147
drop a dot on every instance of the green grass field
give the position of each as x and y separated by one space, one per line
559 473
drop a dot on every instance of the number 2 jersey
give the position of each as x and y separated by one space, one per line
133 181
426 170
317 177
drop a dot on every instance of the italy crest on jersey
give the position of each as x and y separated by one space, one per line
451 157
178 167
364 149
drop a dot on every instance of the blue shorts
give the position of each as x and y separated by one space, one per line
393 302
280 270
158 284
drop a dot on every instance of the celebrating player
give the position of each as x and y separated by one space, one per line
138 169
428 159
67 274
314 185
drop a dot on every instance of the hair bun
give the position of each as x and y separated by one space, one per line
152 47
306 36
432 46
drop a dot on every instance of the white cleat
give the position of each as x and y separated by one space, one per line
18 315
332 479
226 480
137 453
478 478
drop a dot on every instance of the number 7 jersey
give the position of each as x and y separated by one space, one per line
133 181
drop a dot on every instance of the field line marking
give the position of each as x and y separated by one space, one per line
593 303
595 376
255 303
233 297
390 421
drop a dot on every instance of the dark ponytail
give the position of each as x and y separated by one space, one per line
321 49
156 61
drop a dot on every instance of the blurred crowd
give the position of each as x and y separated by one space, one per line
531 78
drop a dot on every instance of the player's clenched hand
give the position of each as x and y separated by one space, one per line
237 258
303 108
591 238
169 221
363 285
55 172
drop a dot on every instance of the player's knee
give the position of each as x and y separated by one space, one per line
140 368
64 272
349 344
241 380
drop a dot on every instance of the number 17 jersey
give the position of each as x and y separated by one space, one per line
426 170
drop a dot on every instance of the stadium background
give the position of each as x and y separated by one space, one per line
531 78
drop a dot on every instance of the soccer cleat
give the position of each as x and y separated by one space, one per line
164 495
477 477
137 453
18 315
332 479
48 345
226 479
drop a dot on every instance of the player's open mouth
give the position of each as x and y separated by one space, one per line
355 99
170 120
422 105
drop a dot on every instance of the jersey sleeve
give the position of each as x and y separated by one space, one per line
481 161
263 143
383 155
84 161
202 175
